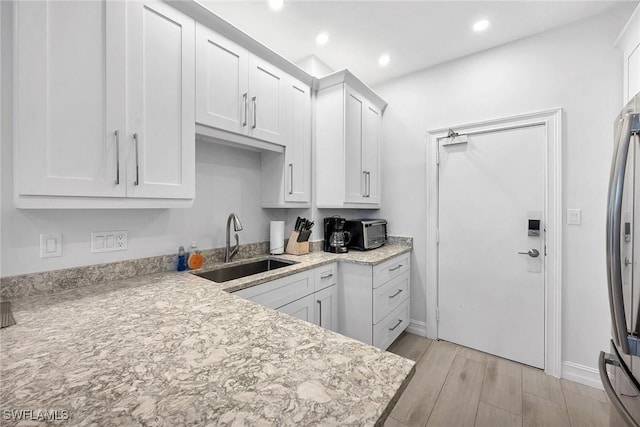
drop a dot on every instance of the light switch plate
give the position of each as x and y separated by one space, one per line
108 241
574 217
50 245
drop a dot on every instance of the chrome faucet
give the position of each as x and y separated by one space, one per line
237 226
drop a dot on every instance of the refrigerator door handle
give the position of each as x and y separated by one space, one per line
608 359
614 223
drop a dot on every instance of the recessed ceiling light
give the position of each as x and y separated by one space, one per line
481 25
322 39
276 4
383 61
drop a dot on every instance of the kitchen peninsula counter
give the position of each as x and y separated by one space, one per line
176 349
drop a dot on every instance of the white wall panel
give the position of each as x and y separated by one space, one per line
576 68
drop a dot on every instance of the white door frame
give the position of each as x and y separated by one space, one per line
552 120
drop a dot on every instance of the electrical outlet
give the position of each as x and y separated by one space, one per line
108 241
121 240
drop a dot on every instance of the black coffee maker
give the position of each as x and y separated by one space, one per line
335 238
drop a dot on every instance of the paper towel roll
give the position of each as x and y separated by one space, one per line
276 241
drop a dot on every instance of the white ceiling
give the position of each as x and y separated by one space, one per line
416 34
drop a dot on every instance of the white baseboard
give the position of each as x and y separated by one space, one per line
581 374
418 328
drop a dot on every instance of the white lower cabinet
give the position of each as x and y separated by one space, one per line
311 295
326 308
303 309
280 292
373 301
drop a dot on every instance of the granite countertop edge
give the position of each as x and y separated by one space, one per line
81 319
304 263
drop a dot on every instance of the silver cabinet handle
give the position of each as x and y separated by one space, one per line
396 267
533 253
320 312
255 112
290 178
328 276
245 105
396 294
368 184
364 176
397 324
117 133
135 140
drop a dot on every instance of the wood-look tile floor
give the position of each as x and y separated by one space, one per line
458 386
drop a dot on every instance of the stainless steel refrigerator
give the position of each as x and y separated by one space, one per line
620 370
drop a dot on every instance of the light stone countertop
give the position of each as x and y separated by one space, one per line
307 262
175 349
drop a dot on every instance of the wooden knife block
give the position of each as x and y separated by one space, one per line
296 248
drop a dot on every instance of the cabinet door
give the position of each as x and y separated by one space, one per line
632 71
353 124
70 96
161 131
302 309
222 69
298 143
266 106
327 308
371 154
280 292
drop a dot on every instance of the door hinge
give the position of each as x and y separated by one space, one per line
438 156
437 314
437 236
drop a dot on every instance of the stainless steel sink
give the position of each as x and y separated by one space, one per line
231 272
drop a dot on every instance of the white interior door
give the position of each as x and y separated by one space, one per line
490 297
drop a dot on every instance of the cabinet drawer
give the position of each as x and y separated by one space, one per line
385 332
326 275
280 292
386 271
389 296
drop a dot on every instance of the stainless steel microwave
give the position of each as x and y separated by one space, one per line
366 233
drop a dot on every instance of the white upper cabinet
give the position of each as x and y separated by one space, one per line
161 128
298 143
104 105
237 91
222 79
286 179
70 97
362 135
347 159
629 43
266 93
371 153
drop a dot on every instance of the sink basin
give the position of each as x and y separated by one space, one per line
231 272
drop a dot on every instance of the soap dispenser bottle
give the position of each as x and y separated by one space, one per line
196 260
182 259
